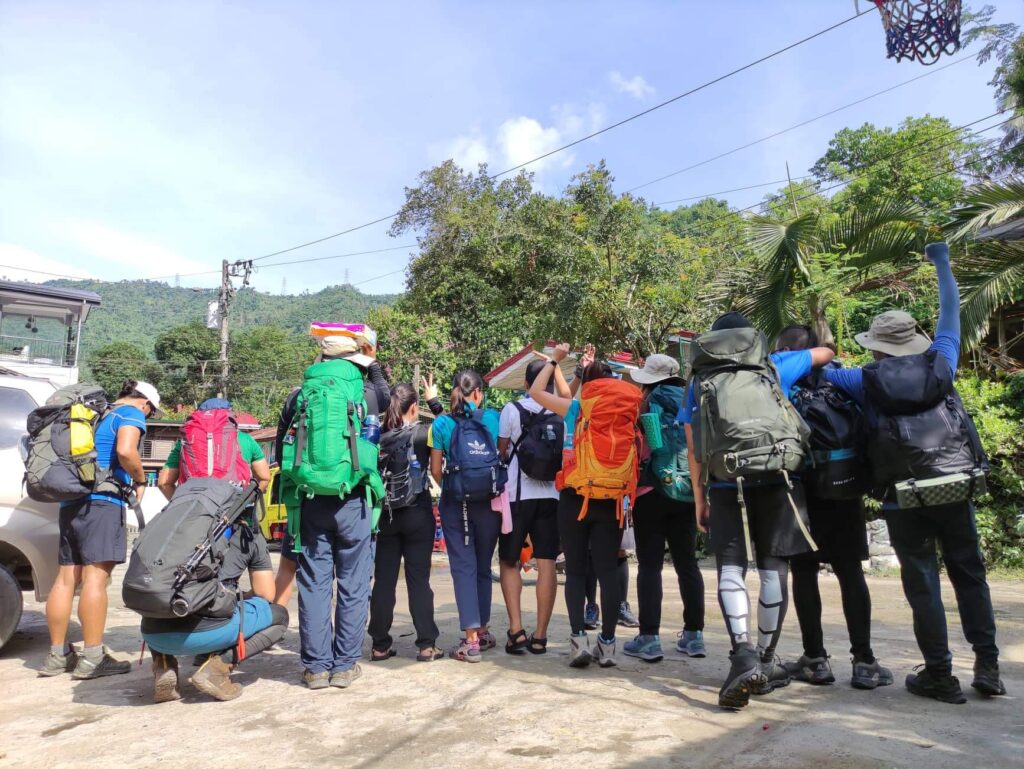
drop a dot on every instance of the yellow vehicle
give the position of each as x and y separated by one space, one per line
275 522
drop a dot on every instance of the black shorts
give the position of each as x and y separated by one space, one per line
839 528
92 531
537 518
774 529
286 548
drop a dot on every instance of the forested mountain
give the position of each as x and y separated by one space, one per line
139 311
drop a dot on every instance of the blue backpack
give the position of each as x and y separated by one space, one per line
474 472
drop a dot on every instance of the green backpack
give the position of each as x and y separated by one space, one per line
668 469
323 453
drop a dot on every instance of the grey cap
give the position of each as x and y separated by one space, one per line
894 333
657 368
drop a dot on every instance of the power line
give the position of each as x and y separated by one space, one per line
734 189
601 131
797 125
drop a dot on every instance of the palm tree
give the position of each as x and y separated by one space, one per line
817 258
992 272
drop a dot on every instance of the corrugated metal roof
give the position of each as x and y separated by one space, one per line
52 292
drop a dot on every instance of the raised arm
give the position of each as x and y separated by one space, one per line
947 329
821 356
559 404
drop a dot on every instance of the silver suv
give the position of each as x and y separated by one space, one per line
28 529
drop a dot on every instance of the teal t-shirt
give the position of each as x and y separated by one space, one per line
440 434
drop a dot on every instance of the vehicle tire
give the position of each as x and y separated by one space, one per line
11 604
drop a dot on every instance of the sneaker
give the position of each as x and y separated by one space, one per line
104 666
342 679
604 652
944 688
165 678
214 678
55 664
626 616
691 643
645 647
986 679
486 640
743 673
318 680
579 651
811 670
591 616
773 676
466 651
870 676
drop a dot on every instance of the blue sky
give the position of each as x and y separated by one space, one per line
148 139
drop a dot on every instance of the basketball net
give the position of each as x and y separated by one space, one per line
920 30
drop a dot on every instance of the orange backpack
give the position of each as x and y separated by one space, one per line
604 460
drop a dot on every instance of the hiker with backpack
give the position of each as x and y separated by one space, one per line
664 515
407 527
212 446
834 484
183 580
926 463
464 460
330 454
530 438
93 538
598 483
745 441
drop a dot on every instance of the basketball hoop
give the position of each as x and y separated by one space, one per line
920 29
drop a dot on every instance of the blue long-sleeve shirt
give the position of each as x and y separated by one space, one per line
946 341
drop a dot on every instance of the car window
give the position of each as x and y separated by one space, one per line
14 408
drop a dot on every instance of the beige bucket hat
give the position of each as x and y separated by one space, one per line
894 333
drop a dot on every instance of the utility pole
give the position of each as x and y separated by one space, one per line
228 270
792 192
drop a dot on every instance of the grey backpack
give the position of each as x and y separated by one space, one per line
175 563
61 459
746 426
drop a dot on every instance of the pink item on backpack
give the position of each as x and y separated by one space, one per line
210 449
500 504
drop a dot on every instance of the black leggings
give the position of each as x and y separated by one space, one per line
597 537
623 572
773 600
856 605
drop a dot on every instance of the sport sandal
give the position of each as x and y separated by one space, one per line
516 643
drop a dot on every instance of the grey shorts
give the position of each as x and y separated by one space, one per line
92 531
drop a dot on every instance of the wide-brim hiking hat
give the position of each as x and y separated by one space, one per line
657 368
150 393
894 333
343 347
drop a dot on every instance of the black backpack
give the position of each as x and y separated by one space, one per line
835 469
539 448
916 426
401 471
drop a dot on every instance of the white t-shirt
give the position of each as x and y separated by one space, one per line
510 427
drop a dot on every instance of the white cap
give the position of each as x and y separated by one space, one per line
146 389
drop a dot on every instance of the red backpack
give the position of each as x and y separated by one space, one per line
209 448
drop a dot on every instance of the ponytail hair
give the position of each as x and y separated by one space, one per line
597 370
128 390
464 383
403 396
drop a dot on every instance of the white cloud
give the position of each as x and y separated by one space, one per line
146 259
468 151
523 138
20 263
635 86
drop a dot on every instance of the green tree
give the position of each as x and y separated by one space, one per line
189 354
407 340
113 363
266 363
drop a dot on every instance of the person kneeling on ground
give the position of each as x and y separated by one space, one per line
263 624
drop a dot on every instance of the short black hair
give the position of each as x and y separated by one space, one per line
731 320
533 369
796 337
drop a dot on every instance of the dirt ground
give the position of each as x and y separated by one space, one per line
524 712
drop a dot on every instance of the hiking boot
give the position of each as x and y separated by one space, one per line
773 675
743 673
55 664
986 679
104 666
591 616
214 678
579 651
811 670
165 678
604 652
318 680
691 643
870 676
944 688
626 616
487 640
645 647
342 679
466 651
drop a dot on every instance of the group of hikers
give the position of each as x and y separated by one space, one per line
771 452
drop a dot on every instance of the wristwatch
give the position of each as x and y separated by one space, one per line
553 362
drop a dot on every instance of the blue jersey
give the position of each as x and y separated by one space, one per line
106 443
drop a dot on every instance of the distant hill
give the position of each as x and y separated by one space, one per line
139 310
